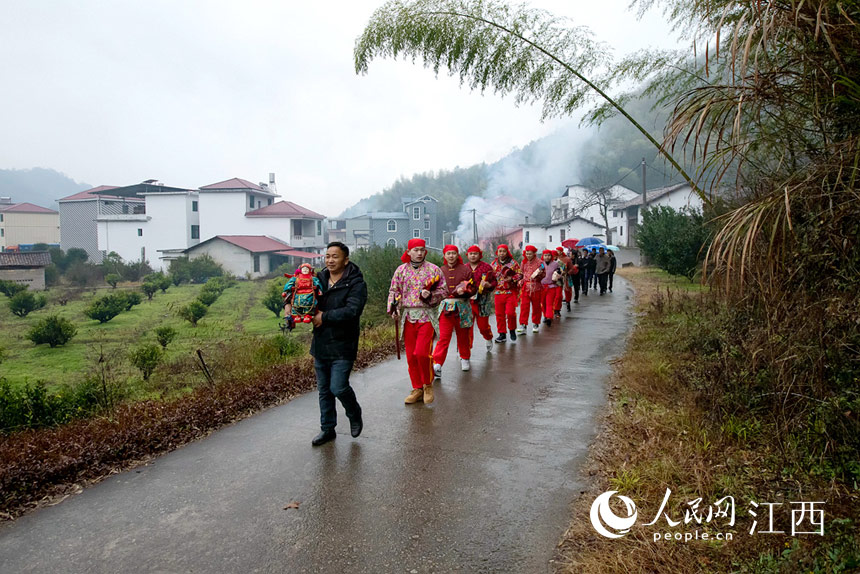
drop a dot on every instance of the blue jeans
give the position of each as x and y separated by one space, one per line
333 381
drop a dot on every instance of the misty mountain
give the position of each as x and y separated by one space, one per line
38 185
536 173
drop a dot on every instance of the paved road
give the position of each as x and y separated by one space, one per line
479 481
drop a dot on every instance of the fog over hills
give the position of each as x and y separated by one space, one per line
38 185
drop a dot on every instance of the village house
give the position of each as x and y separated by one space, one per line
250 256
27 224
79 215
25 268
418 218
625 217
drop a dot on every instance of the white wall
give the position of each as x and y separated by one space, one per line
119 233
233 259
224 214
170 224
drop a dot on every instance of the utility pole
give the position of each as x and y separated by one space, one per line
644 193
475 226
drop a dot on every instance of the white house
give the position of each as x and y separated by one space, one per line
168 221
585 202
79 215
249 255
627 216
550 235
173 219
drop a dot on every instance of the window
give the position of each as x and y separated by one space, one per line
319 227
195 232
426 224
124 208
416 212
256 263
416 233
139 232
527 237
561 235
549 239
1 218
392 242
193 206
252 201
392 226
2 232
270 201
621 231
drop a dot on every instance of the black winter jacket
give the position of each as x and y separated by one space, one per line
341 306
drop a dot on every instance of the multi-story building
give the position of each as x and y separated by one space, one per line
625 217
27 224
79 214
419 218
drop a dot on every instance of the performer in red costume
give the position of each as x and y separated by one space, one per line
482 302
455 312
507 292
417 287
531 290
550 285
565 264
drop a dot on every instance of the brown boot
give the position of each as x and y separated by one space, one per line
428 394
414 396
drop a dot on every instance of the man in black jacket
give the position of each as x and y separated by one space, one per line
335 341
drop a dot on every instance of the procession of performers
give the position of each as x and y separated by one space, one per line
432 303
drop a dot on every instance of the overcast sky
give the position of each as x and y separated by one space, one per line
192 92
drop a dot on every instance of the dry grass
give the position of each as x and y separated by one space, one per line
657 435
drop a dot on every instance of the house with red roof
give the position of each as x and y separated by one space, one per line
250 256
27 224
172 220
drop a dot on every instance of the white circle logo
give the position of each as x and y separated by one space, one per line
602 514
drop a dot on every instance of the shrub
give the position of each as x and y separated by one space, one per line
673 240
52 275
163 281
146 358
219 284
106 308
207 297
132 298
202 268
25 302
112 279
84 274
53 330
149 289
11 288
31 406
165 335
193 312
273 300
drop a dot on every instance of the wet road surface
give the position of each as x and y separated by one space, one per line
479 481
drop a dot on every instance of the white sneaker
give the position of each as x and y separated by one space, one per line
535 328
465 365
521 330
437 370
489 345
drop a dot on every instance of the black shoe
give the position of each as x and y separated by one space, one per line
501 338
556 315
513 335
568 306
324 437
548 322
355 425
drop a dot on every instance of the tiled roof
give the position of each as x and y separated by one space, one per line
298 253
26 208
285 209
252 243
89 194
234 183
652 194
32 259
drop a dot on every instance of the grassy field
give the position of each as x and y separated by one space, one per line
236 315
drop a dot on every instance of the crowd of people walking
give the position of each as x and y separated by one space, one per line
429 302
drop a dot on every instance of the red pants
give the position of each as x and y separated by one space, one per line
568 293
418 338
483 324
550 298
448 324
533 299
506 311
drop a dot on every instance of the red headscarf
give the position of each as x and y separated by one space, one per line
414 242
508 249
560 249
531 248
548 251
475 249
453 248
